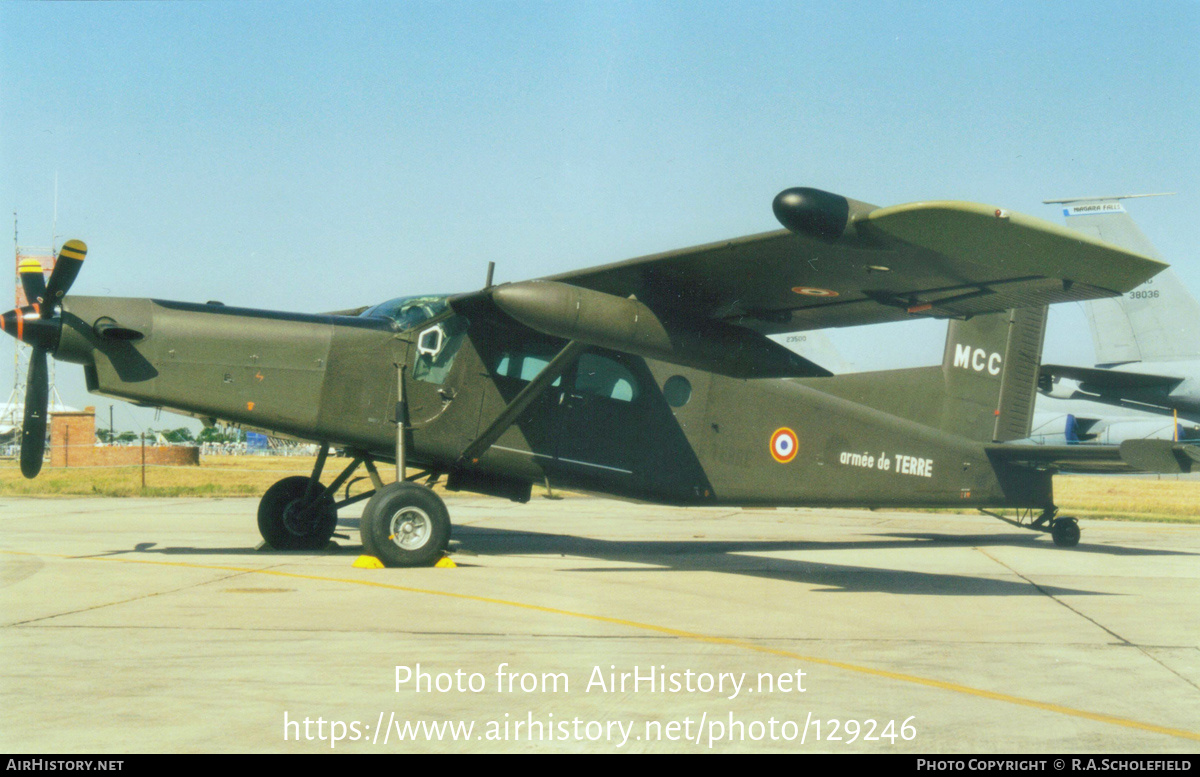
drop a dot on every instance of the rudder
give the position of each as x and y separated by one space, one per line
990 368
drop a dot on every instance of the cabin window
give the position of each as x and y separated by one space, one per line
595 375
677 391
601 376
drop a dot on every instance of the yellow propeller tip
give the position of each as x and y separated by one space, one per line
74 249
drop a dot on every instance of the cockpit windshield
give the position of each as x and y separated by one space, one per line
409 312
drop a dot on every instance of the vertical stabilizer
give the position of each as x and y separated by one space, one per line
1157 321
990 369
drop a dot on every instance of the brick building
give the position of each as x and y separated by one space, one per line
73 444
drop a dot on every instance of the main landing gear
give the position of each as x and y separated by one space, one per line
1064 531
404 524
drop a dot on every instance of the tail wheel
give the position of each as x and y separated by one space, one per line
1065 532
286 525
405 525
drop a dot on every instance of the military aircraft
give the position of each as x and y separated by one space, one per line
649 379
1147 340
1075 426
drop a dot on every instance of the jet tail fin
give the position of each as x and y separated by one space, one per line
1157 321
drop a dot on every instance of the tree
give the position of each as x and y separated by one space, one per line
216 434
180 435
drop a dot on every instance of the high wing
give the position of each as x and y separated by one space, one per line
873 265
840 262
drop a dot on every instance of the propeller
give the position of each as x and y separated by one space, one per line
32 280
39 325
37 399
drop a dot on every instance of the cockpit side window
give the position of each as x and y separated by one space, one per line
437 346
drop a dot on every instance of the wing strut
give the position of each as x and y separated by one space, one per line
550 373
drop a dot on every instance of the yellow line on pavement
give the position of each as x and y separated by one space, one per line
680 633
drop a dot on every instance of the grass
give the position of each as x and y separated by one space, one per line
1094 497
216 476
1125 498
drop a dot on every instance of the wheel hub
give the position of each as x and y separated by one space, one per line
410 528
294 519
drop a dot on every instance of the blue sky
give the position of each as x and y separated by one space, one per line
316 156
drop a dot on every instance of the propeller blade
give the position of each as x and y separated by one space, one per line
37 400
32 280
70 259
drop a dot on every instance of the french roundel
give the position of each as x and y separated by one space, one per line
814 292
784 445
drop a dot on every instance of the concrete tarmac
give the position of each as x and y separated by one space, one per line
587 625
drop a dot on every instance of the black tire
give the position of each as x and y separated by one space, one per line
278 512
1065 532
405 525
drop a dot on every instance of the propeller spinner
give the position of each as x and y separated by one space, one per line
39 325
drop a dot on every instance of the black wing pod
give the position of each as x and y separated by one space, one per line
812 212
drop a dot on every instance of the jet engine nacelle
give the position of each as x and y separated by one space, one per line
1118 431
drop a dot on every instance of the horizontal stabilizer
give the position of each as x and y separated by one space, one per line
1159 456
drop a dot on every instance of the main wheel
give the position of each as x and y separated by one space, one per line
283 524
405 525
1065 532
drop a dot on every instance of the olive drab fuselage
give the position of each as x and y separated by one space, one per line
611 423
